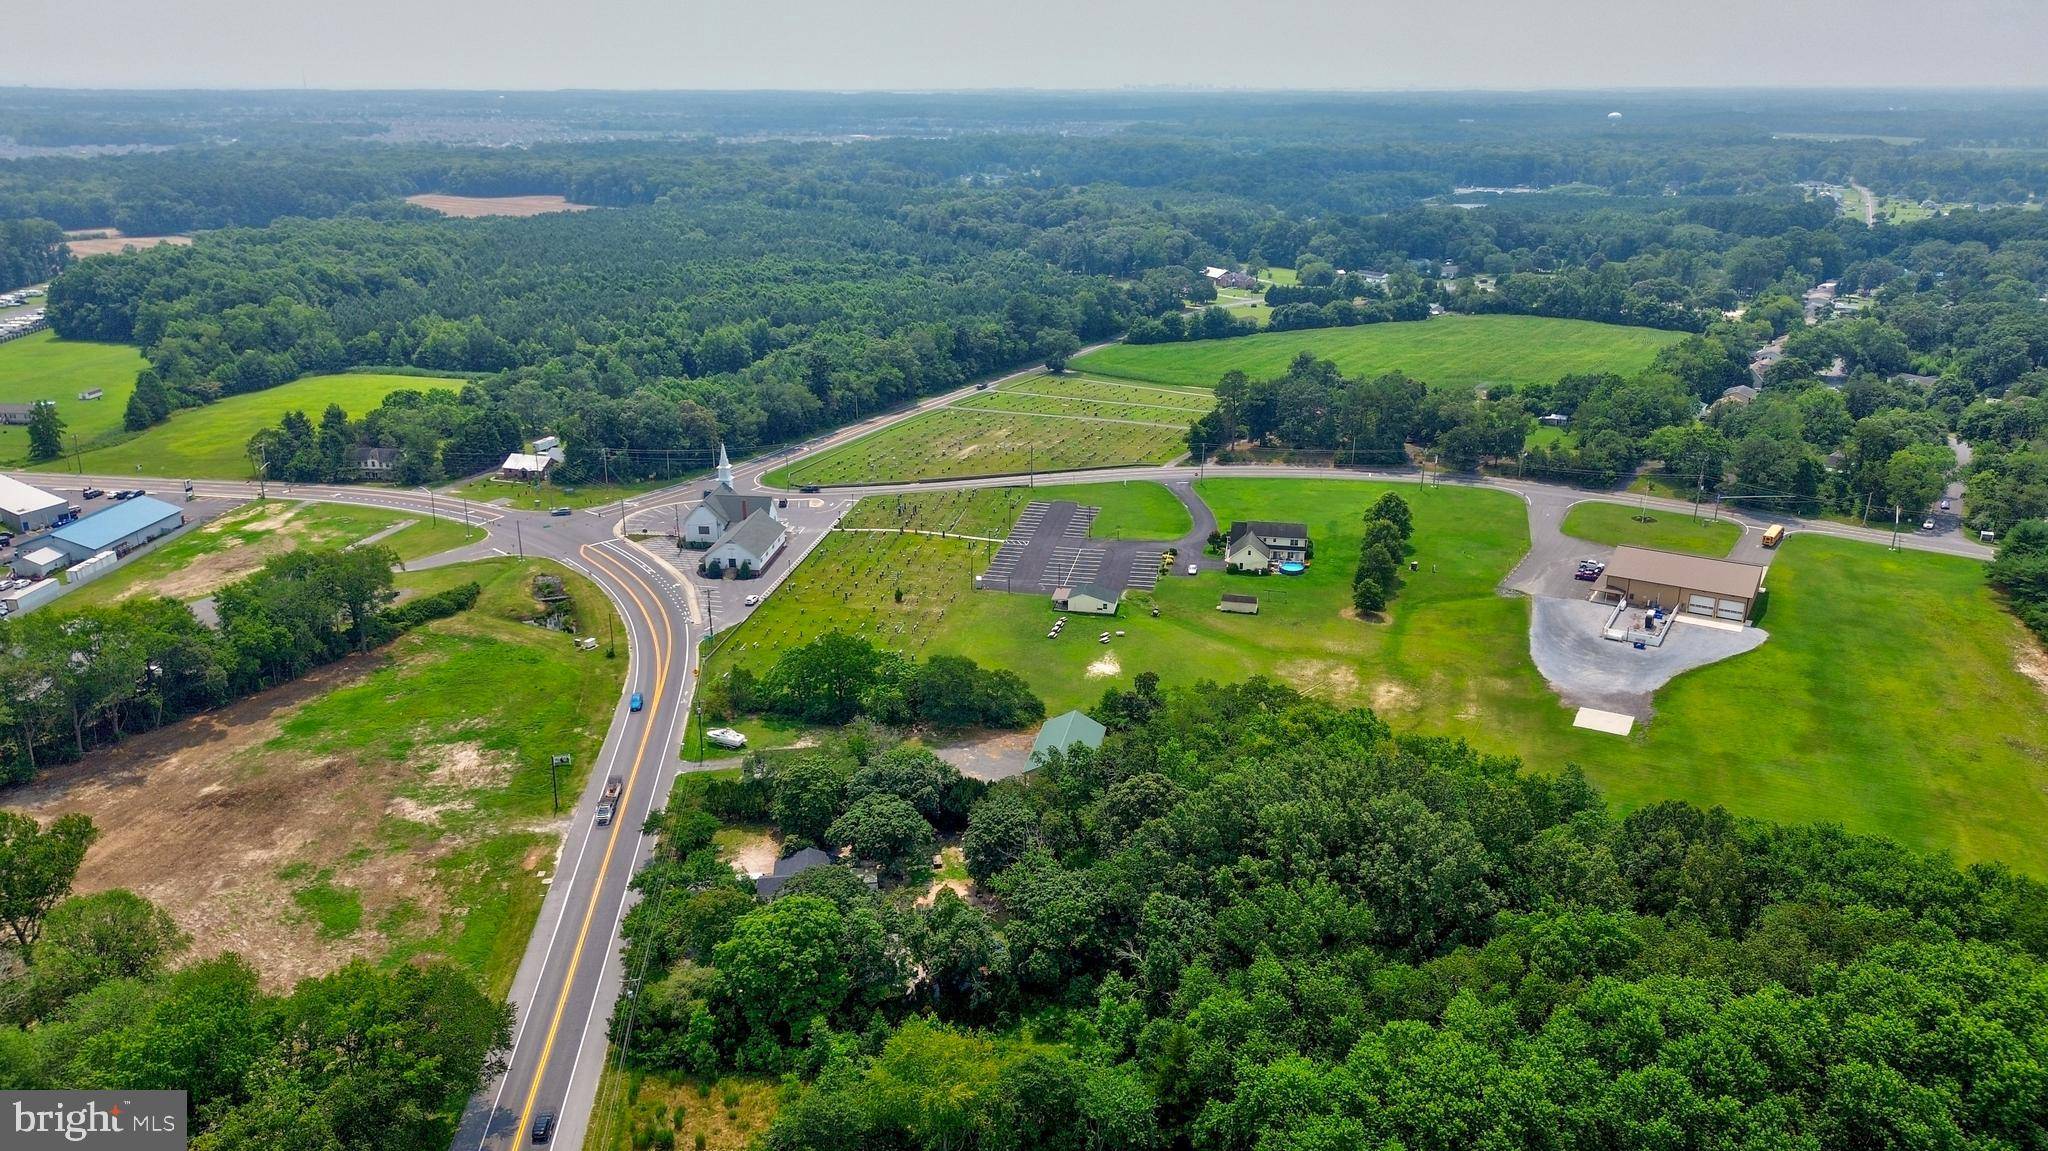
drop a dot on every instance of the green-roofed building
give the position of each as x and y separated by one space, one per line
1066 730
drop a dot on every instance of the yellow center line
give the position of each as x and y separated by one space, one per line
663 656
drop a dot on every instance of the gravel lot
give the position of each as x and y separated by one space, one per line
1588 671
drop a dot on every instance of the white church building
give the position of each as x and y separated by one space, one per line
736 533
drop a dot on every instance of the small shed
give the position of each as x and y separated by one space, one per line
1087 599
1241 604
1064 731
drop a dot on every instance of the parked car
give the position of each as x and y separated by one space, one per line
92 493
1944 505
726 737
752 600
1192 569
635 703
1927 525
123 494
1588 574
809 489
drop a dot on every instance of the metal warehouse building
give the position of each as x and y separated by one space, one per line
1693 585
27 509
119 529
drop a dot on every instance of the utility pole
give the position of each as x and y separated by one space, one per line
518 541
1895 527
432 516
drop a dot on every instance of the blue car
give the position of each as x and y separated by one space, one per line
635 704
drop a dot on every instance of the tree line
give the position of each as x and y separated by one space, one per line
76 680
838 677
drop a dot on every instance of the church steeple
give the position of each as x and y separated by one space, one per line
724 467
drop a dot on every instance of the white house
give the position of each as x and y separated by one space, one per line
1256 545
722 510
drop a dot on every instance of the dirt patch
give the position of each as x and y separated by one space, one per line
1105 667
753 852
2032 659
467 767
966 452
1328 678
470 207
103 241
210 823
1390 696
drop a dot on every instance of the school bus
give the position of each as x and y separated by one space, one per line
1774 535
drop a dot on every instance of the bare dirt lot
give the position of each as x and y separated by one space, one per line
101 241
469 207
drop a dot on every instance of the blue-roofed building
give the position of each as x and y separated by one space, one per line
119 529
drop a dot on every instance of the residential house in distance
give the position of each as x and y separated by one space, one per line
1225 278
371 463
787 868
18 415
1259 545
1554 420
533 465
1087 599
1739 394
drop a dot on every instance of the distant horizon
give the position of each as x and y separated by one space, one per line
1055 45
1128 89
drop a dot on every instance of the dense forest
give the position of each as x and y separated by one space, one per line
1251 920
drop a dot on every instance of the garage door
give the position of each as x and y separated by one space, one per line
1700 604
1732 609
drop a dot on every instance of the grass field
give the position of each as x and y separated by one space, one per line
1889 699
43 367
549 494
1451 350
1039 423
1606 523
211 442
726 1114
235 544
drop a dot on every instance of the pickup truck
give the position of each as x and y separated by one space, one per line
613 786
605 811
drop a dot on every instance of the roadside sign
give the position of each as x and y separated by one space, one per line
559 761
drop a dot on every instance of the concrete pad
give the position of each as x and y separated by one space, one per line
1586 670
1611 722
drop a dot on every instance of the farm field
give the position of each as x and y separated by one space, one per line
1040 423
211 442
1608 523
102 241
43 367
390 806
1897 659
1452 350
469 207
235 544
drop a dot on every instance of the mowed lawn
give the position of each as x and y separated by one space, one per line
43 367
1451 349
1041 423
1888 699
1609 523
211 442
238 542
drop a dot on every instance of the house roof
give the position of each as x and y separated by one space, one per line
1267 529
43 556
526 462
756 535
20 499
381 455
788 868
1103 592
22 409
731 507
1693 573
101 529
1065 730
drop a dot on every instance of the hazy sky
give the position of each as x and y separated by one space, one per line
837 44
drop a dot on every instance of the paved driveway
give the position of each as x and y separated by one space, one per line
1588 671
